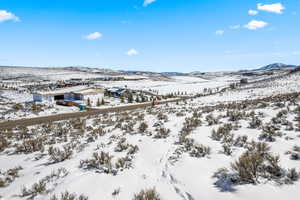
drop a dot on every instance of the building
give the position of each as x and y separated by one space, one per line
116 91
75 94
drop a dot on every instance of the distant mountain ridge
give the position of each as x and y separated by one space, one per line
277 66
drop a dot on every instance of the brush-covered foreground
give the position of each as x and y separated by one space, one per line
240 150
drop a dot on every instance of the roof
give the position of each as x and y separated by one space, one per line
89 91
77 89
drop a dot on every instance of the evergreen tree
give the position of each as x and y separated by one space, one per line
122 99
102 101
130 98
89 102
98 102
153 102
34 107
137 99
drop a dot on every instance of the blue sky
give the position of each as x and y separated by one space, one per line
154 35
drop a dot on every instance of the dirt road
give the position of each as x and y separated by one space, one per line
67 116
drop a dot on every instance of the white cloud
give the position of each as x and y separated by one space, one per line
148 2
235 26
254 24
274 8
6 16
132 52
252 12
93 36
220 32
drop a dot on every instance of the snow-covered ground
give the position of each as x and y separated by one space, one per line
186 85
176 148
160 162
191 85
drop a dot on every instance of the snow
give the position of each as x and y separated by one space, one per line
153 165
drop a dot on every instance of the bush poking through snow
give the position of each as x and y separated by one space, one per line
116 192
295 154
255 123
190 124
4 143
222 132
58 155
100 160
150 194
162 132
195 150
227 149
235 115
41 186
36 189
143 127
292 176
269 133
69 196
30 146
297 120
211 120
123 163
9 176
255 165
199 150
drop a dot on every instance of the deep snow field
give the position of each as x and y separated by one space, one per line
216 147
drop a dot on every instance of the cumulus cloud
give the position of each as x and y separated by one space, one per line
132 52
254 24
252 12
274 8
8 16
220 32
93 36
148 2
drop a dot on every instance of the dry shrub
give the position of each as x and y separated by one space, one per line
269 133
211 120
36 189
257 164
41 186
162 117
149 194
4 143
143 127
199 150
101 161
58 155
9 176
255 123
31 145
123 163
222 132
162 132
69 196
235 115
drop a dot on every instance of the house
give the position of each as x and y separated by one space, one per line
47 97
85 95
115 91
76 94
